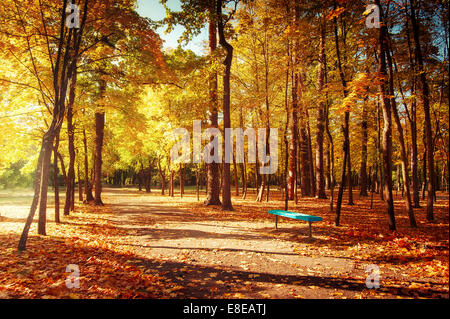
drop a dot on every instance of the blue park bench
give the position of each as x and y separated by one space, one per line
309 218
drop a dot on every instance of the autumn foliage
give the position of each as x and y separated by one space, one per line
358 96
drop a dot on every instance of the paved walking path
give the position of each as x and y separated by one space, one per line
215 258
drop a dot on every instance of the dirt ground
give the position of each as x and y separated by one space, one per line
204 252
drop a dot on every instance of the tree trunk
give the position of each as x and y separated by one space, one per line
80 186
141 177
372 190
293 132
286 146
363 172
293 117
55 179
345 129
342 185
349 165
64 65
172 184
148 178
320 176
226 191
243 166
379 152
424 167
87 183
213 185
197 182
236 184
387 117
414 160
162 177
330 162
412 118
70 187
63 168
403 152
304 160
330 144
286 177
99 135
425 97
181 180
305 149
47 146
261 190
312 179
35 202
327 162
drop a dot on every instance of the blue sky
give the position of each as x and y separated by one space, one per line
154 10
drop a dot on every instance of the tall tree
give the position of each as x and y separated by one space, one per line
293 113
363 169
226 175
99 135
55 179
87 183
62 69
213 185
320 176
70 187
425 99
387 118
403 152
345 128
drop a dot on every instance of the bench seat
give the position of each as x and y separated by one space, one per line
309 218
